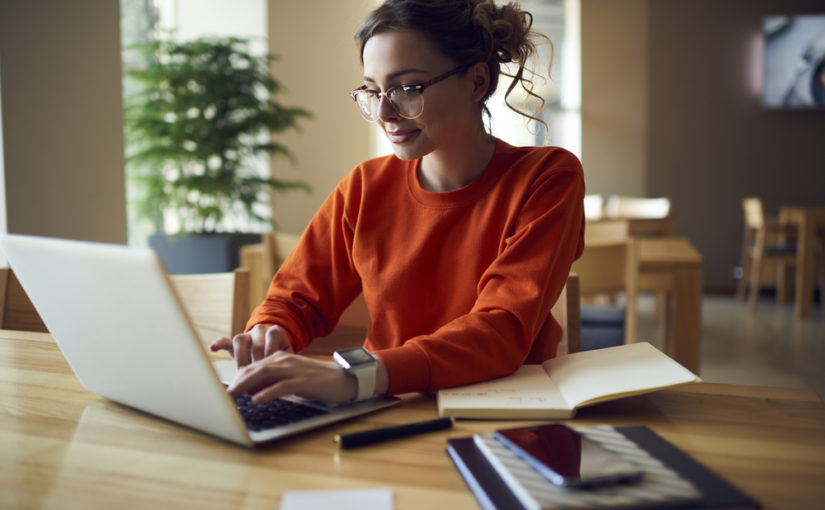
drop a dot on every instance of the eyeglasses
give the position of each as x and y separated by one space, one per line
406 100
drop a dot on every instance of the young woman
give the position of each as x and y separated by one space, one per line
459 242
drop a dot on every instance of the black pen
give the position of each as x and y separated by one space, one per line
385 434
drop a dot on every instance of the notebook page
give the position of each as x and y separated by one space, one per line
591 376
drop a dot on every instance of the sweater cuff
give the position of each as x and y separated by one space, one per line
408 369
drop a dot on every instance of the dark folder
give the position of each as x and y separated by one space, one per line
493 493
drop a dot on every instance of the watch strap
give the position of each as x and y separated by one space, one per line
365 378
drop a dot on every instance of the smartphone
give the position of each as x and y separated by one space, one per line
567 458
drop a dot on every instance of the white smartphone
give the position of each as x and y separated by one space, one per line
567 458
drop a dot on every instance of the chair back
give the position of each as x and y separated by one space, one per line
612 267
754 213
217 303
567 312
618 206
16 309
606 230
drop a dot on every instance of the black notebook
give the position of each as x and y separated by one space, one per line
493 492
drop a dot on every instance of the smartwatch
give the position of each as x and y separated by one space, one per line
358 362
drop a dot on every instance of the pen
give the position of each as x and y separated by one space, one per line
368 437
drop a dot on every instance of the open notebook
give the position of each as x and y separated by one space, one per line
119 323
560 386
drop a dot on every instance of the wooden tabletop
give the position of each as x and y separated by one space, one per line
62 447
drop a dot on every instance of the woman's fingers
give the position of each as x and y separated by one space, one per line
276 340
222 344
242 346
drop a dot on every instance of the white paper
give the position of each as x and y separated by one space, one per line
361 499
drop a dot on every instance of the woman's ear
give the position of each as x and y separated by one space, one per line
481 80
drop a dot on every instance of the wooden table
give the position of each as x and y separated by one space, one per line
807 220
641 227
673 266
62 447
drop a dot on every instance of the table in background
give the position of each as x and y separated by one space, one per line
673 266
808 219
641 227
63 447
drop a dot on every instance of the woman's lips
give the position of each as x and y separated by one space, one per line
401 135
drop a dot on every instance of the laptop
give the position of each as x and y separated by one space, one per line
115 315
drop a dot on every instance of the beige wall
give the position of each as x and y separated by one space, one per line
62 119
319 64
614 96
700 133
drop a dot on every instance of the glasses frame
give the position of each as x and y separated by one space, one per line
413 87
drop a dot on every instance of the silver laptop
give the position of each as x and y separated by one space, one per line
119 323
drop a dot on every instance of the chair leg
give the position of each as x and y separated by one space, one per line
755 276
820 263
742 286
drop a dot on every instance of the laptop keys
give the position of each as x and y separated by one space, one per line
274 413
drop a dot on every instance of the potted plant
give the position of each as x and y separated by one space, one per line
197 129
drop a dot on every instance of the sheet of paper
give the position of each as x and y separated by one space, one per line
528 388
363 499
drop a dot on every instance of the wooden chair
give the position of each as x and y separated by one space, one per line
217 303
567 312
16 309
765 241
606 231
611 267
648 216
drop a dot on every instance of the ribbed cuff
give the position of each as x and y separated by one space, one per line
408 369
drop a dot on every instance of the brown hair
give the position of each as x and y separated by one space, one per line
467 31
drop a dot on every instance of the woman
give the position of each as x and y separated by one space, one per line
459 242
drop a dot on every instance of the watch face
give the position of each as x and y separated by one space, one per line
355 356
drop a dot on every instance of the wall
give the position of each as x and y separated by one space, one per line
705 139
614 96
62 119
319 65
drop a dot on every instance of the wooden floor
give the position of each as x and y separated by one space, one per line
769 348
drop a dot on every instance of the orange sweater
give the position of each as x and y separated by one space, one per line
458 285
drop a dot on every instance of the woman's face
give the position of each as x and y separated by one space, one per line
406 57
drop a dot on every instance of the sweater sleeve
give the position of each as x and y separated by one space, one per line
514 297
317 281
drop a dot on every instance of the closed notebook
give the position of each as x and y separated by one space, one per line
659 487
559 386
500 480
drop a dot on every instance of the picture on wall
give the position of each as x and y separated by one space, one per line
794 61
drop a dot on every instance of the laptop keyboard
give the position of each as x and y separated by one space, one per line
274 413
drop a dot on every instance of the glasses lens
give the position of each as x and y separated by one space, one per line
408 103
365 102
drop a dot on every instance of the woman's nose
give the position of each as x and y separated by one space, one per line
385 109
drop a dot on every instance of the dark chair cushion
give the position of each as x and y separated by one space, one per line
602 315
777 249
602 326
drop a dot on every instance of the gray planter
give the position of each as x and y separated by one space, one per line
201 253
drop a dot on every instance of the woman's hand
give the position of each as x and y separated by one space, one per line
260 342
284 373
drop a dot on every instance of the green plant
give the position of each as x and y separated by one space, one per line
203 114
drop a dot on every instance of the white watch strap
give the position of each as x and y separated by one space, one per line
366 382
